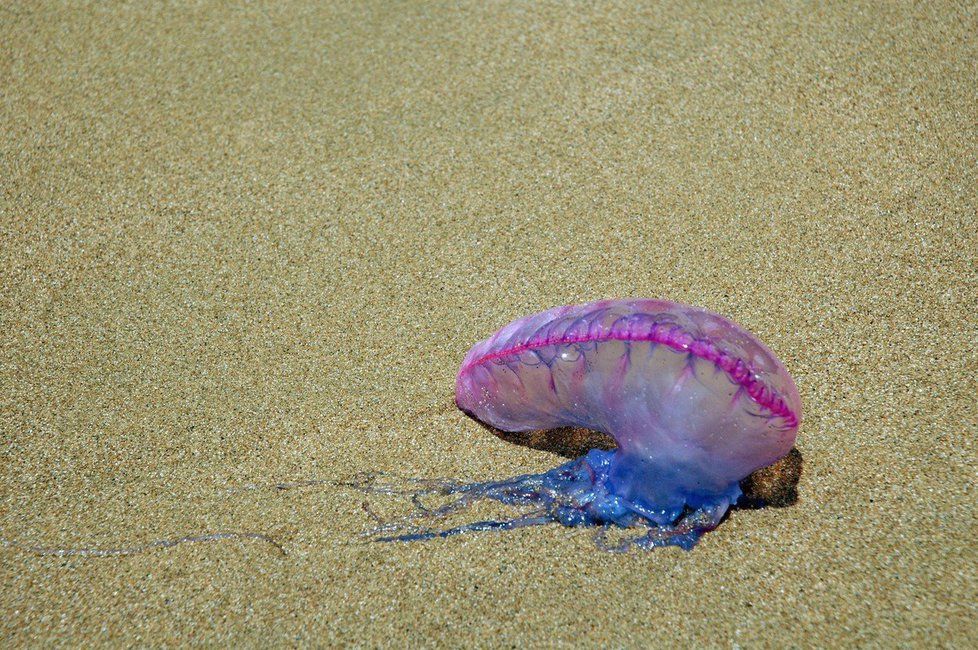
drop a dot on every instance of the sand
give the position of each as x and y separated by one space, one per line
249 245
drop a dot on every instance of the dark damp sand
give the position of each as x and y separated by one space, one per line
248 246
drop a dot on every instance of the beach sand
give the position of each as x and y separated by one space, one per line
246 246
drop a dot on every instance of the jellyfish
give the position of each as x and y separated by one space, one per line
697 407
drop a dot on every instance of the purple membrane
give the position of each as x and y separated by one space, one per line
694 402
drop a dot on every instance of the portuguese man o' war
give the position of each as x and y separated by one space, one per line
694 402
